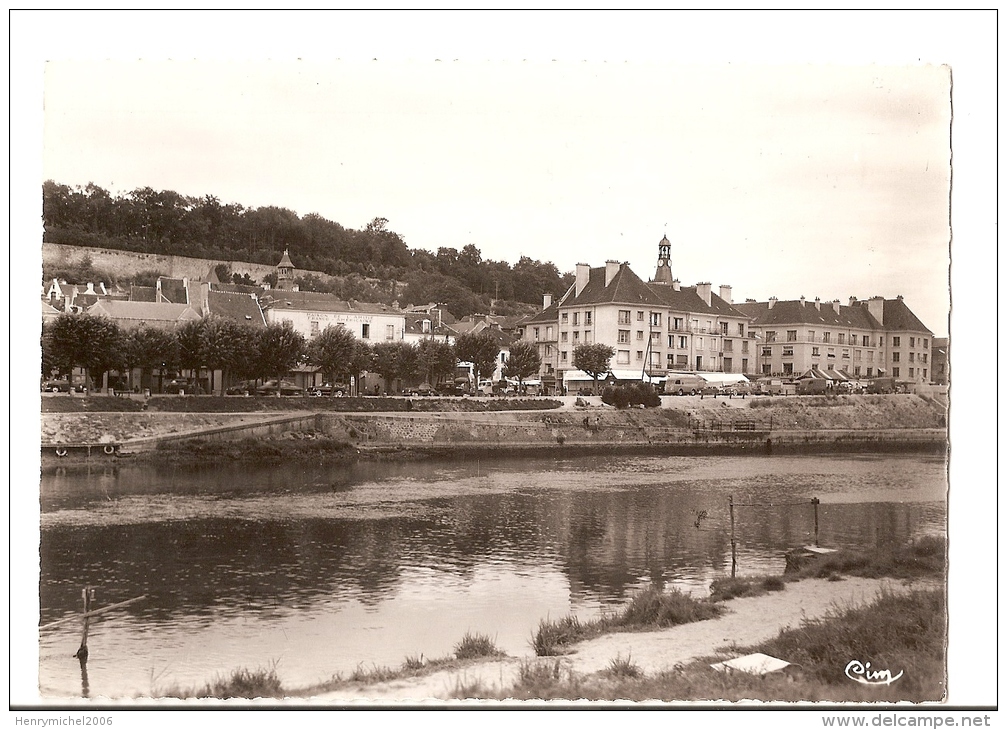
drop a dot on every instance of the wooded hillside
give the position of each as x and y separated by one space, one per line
165 222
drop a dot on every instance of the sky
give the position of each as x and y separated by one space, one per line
785 154
786 180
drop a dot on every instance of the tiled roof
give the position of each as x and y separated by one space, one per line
899 317
144 311
414 324
237 288
174 291
142 294
548 315
285 261
319 302
794 312
239 307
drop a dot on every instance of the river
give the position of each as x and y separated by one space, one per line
322 569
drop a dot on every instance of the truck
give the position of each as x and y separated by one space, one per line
683 384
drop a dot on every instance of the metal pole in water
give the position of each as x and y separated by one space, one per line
734 544
815 501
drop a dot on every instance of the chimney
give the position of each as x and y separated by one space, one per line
853 301
704 290
546 301
802 300
101 285
725 293
185 286
818 304
676 285
582 276
749 301
876 306
611 269
90 288
835 305
772 302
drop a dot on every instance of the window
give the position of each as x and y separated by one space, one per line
723 328
728 364
536 332
896 341
655 359
639 354
678 323
639 316
744 346
816 351
655 336
811 335
639 334
623 337
856 355
671 341
826 337
655 319
856 370
926 344
791 335
741 329
695 325
870 356
623 316
562 355
563 336
576 337
564 318
587 336
912 343
744 364
842 338
766 368
788 351
870 371
881 341
365 332
923 357
699 343
389 331
548 350
924 373
683 342
503 357
767 351
788 368
314 328
895 356
771 336
576 318
622 357
728 345
910 372
548 332
587 318
831 366
682 361
895 372
912 357
846 354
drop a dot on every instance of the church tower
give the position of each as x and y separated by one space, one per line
285 273
663 274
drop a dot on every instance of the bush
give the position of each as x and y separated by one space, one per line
476 646
631 394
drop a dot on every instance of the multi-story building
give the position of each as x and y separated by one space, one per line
874 338
939 360
654 327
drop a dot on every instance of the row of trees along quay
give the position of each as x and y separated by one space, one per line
97 345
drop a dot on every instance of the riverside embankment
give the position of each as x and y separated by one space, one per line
461 426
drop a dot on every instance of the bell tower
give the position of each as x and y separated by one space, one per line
285 273
663 273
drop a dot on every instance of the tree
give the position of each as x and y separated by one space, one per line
435 360
222 346
281 348
593 359
479 349
189 337
394 360
151 349
335 351
524 361
82 340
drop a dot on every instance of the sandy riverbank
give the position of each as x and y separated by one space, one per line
747 621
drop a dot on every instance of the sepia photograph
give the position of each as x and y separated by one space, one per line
514 376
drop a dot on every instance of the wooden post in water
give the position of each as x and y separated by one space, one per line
734 544
815 501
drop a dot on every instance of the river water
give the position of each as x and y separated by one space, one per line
320 570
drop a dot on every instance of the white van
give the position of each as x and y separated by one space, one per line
683 384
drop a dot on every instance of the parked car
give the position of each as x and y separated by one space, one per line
330 389
451 389
56 386
240 389
741 388
285 387
177 386
422 389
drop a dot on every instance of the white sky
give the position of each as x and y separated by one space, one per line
797 169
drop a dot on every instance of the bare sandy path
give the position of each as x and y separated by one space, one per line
747 621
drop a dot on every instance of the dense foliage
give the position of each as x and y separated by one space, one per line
631 394
165 222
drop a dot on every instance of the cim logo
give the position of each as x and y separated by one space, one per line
862 673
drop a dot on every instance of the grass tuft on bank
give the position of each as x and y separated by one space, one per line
650 609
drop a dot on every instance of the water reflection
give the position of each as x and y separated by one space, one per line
328 567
